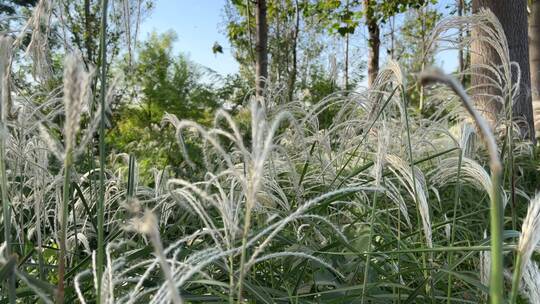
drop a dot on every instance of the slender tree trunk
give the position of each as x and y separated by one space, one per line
422 15
261 47
278 58
392 36
250 31
347 61
347 55
292 77
374 42
87 32
513 17
534 52
460 52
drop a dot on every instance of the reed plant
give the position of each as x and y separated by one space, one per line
381 205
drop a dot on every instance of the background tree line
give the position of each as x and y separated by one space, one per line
306 48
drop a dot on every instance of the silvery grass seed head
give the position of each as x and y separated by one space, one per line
6 43
77 83
530 232
530 282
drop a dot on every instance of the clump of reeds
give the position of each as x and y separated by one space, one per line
277 208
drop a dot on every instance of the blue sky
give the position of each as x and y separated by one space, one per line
199 23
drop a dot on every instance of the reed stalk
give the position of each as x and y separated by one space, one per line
5 63
6 209
496 292
101 199
68 163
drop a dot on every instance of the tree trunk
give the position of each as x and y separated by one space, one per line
88 32
374 42
261 47
513 17
460 52
347 54
292 77
392 36
423 35
347 61
534 52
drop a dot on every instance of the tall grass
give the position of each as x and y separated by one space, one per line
383 205
5 63
101 199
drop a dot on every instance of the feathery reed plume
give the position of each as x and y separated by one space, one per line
447 227
382 147
147 225
498 87
76 91
496 217
471 171
383 139
467 140
6 51
485 265
39 46
76 100
416 187
529 282
392 192
5 106
530 236
76 94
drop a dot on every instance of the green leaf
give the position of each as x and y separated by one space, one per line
8 268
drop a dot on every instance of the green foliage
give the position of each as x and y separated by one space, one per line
412 46
9 7
296 38
343 17
166 84
83 21
386 9
321 86
233 92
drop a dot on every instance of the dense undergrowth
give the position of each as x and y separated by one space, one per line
383 205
